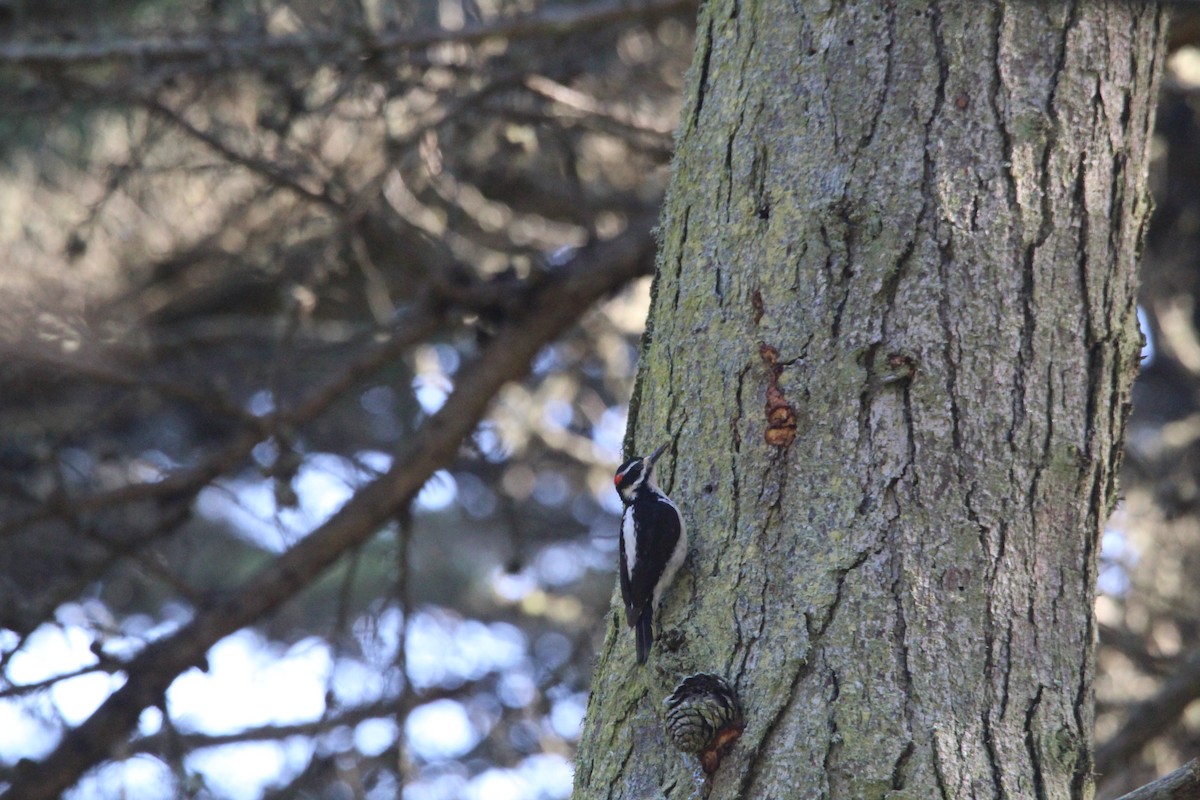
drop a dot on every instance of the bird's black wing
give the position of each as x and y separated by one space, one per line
654 550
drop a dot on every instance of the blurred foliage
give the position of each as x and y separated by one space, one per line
234 283
215 251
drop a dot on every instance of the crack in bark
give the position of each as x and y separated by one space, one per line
718 290
759 166
1079 199
833 743
798 261
989 744
945 247
707 44
1025 299
950 357
842 279
901 649
1059 596
1045 228
900 768
841 574
775 510
891 280
865 432
672 405
993 95
727 181
886 83
740 637
1035 759
768 523
910 427
868 136
1050 146
989 670
737 436
1007 675
762 626
995 666
984 530
1028 327
683 237
1082 704
1001 546
1025 293
762 609
1047 444
727 173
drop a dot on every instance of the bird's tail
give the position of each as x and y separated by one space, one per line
645 633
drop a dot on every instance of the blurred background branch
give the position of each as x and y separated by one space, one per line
251 50
1179 785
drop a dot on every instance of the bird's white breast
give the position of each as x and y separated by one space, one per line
629 536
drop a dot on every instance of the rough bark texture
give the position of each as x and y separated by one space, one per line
932 212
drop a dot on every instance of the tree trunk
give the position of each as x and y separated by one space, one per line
910 229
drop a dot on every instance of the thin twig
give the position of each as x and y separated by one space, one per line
260 166
586 104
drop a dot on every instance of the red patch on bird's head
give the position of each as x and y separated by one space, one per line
625 471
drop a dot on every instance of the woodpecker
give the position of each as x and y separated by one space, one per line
653 545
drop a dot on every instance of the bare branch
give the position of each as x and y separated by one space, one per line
1182 784
421 322
551 308
378 709
275 733
584 103
42 685
234 52
260 166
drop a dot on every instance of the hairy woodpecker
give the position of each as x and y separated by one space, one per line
653 545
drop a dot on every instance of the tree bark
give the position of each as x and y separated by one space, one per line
910 230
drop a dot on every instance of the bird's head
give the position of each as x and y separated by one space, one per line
635 473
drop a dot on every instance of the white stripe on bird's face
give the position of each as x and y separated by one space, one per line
630 478
635 473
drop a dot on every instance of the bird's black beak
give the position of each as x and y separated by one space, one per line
650 459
